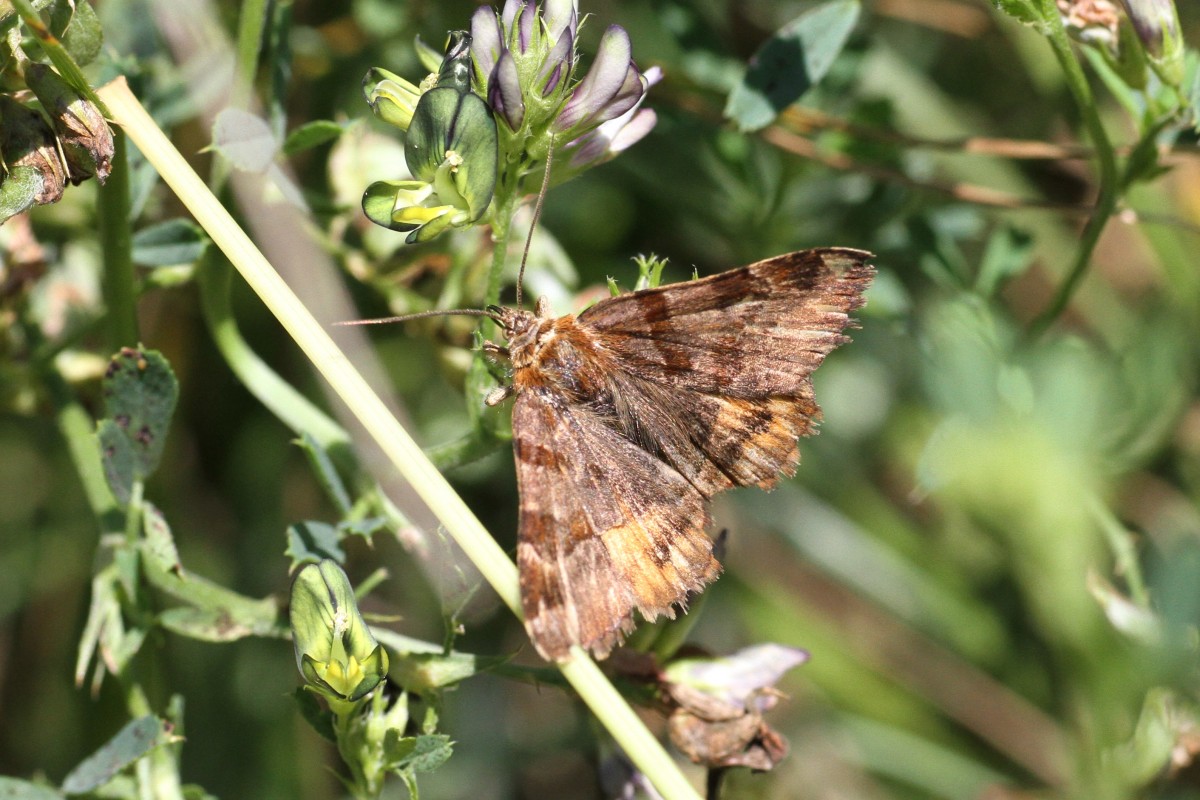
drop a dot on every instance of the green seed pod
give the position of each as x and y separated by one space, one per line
27 141
86 139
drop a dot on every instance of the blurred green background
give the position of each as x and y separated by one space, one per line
965 551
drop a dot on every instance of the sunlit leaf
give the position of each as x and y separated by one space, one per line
311 134
245 139
79 30
790 63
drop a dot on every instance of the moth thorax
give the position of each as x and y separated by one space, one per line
524 332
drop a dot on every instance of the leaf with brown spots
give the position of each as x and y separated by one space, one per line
631 415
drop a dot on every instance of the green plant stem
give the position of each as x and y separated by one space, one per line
116 240
1108 191
1124 553
116 235
252 19
501 226
277 395
595 690
78 431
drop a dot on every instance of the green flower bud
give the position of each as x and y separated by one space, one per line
392 98
451 151
86 139
1157 25
27 141
335 651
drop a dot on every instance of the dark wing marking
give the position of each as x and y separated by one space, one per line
605 528
715 374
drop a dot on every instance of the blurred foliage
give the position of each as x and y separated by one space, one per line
991 552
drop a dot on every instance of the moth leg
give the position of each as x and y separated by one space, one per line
498 395
495 351
542 307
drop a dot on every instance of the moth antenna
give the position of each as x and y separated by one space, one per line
460 312
537 213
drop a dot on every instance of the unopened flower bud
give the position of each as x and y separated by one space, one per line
1157 25
335 651
86 139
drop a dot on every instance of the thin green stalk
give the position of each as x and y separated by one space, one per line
501 226
277 395
116 241
495 566
252 19
116 235
78 431
1108 192
1123 550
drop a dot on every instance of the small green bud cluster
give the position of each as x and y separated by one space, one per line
505 97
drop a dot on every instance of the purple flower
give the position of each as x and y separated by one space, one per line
525 65
613 136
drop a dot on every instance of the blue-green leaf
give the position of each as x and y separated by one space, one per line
135 740
140 391
309 542
310 135
790 63
169 243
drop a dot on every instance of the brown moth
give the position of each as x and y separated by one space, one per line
631 415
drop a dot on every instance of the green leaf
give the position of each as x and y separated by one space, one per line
215 614
1009 253
118 459
169 243
15 789
1026 11
309 542
431 751
159 544
326 473
311 135
18 191
245 139
790 63
420 672
365 528
140 392
135 740
79 30
208 624
104 608
314 713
